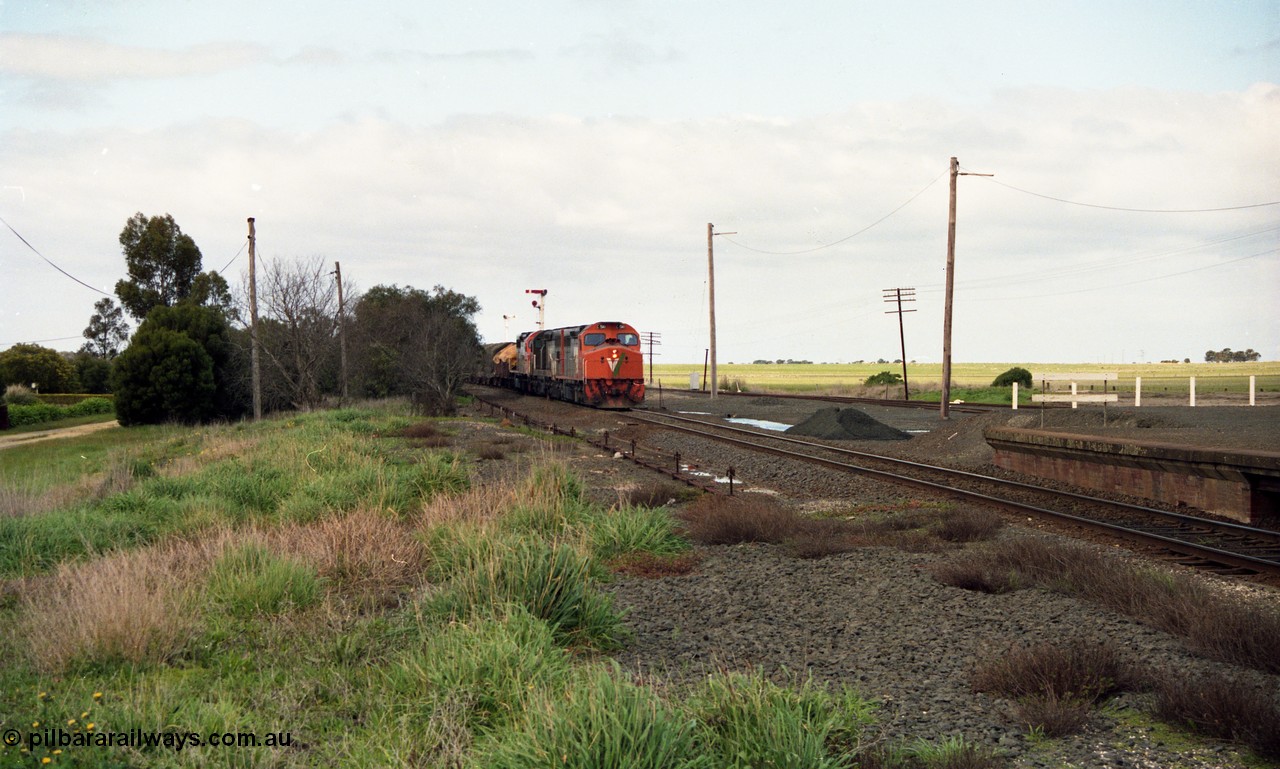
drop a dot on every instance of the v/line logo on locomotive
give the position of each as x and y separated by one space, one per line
598 364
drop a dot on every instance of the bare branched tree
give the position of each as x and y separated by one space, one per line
297 329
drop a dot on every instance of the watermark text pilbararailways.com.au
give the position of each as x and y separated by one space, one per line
139 739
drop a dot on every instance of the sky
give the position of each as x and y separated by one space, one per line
583 146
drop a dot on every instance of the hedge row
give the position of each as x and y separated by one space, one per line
47 412
70 399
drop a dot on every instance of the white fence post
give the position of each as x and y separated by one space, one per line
1015 395
1193 391
1073 395
1137 391
1252 380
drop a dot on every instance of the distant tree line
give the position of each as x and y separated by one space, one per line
1227 355
189 358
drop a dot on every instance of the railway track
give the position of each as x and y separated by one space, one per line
1189 540
963 408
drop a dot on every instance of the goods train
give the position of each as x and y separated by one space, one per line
598 364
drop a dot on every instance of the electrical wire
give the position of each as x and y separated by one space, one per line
1076 270
1135 210
51 264
243 246
849 237
42 341
1135 282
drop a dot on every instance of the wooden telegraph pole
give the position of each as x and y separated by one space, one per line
944 411
896 294
253 324
651 338
342 332
711 300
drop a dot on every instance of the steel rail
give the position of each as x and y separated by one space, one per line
1214 554
967 408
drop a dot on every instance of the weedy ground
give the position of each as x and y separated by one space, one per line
342 583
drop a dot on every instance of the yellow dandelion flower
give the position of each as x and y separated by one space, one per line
97 695
34 724
84 714
90 726
42 695
70 721
46 760
57 752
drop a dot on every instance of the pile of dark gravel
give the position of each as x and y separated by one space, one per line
836 424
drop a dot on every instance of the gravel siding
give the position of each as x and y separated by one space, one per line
874 619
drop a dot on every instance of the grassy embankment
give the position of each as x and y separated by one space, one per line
333 577
971 381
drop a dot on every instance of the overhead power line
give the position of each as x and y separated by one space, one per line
41 341
243 246
51 264
848 237
1137 210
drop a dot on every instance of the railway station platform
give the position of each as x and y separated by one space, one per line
1243 485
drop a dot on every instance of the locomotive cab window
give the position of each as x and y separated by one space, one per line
593 339
630 340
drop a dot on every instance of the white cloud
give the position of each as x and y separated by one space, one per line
610 215
86 59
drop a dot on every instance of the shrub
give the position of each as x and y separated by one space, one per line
1015 374
718 520
1081 669
20 395
969 525
1051 715
1228 708
38 413
1232 630
884 378
163 376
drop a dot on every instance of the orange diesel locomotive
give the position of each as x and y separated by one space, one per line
598 364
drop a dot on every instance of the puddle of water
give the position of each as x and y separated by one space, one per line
763 424
915 431
700 413
701 474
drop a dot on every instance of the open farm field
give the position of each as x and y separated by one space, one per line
848 378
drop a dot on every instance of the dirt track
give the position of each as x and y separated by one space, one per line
9 440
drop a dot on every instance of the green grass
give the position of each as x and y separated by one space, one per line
849 377
299 469
251 580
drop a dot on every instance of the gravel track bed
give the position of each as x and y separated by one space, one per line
874 619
